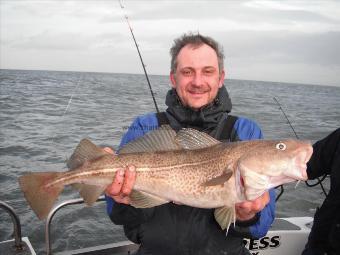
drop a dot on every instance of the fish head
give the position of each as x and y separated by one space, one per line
268 164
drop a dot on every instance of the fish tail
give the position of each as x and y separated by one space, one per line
39 197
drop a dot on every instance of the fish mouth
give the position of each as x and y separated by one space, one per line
305 157
300 162
303 171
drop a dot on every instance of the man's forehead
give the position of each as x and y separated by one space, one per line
194 47
192 55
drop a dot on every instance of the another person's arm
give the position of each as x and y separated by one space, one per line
323 155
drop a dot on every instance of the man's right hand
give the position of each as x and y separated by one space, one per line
122 184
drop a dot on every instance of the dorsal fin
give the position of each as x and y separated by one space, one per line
192 139
85 151
161 139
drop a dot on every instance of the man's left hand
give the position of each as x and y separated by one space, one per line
247 210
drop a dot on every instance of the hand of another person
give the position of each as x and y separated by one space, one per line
122 184
246 210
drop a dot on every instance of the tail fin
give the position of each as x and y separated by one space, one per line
39 198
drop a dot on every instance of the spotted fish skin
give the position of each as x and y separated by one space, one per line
188 167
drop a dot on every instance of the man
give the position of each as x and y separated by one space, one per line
325 234
198 100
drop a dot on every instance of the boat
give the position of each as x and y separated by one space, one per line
286 236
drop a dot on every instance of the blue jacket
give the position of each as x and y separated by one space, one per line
133 218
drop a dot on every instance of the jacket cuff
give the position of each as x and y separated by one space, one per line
249 222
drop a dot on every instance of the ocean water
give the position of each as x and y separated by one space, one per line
44 114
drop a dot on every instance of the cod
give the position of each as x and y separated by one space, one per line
188 167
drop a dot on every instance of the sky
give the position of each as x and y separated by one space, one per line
282 41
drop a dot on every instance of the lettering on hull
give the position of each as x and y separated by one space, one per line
255 246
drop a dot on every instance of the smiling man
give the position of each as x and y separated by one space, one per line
197 100
196 75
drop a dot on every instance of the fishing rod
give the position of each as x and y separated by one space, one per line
140 56
290 124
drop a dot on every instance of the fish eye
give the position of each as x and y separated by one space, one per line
281 146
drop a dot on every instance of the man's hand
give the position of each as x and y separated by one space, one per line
122 184
246 210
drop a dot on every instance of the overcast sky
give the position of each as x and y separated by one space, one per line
287 41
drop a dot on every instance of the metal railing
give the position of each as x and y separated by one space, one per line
53 212
16 225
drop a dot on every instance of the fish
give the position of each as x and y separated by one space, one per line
188 167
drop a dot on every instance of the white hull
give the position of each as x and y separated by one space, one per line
288 236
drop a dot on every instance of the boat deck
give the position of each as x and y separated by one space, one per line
119 248
9 248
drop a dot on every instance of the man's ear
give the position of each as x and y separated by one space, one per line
222 77
173 79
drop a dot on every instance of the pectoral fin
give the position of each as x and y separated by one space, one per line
225 216
219 180
141 199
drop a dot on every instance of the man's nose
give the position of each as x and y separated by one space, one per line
198 79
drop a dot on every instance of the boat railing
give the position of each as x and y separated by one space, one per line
53 212
16 225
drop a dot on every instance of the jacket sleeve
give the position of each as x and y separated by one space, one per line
323 155
122 214
257 228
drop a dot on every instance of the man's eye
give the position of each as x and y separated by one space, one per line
187 72
208 71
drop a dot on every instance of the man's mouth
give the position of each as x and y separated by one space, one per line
197 92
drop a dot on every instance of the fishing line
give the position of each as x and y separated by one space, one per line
290 124
140 56
68 105
70 100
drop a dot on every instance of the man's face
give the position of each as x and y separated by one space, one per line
197 77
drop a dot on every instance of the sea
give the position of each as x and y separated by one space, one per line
44 115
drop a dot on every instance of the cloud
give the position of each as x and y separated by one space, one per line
240 12
256 35
283 46
51 41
